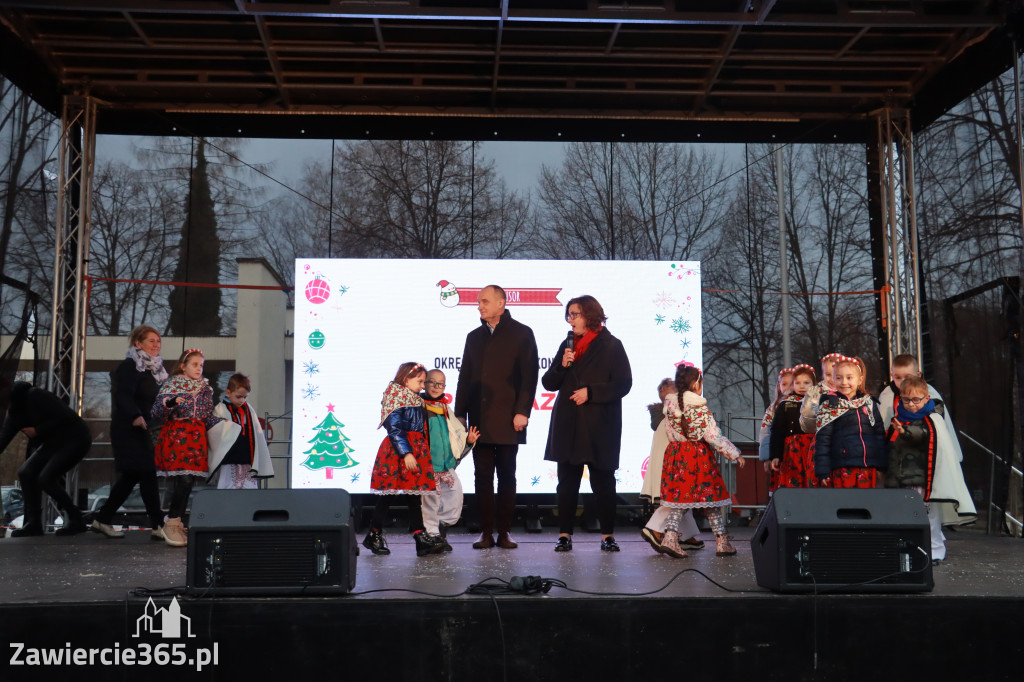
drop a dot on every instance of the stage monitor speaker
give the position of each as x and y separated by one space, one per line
271 542
855 540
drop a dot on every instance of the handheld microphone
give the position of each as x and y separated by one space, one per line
570 343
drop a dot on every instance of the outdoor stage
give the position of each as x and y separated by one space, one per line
408 620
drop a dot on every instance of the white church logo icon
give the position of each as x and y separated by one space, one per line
168 622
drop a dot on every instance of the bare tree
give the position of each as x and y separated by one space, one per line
423 198
27 135
134 230
742 325
632 201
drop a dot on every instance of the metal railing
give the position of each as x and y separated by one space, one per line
285 459
1006 515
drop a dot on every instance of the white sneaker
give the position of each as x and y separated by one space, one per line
106 529
158 534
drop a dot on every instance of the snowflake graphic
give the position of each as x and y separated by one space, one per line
680 326
342 289
355 477
685 343
658 319
535 480
664 299
311 392
309 367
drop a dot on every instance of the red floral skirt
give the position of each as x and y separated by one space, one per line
182 448
796 468
690 477
851 477
389 472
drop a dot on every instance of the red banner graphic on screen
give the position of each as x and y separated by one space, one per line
452 295
468 296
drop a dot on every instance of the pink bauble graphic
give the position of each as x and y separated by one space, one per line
317 291
643 468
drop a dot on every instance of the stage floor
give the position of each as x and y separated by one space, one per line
91 567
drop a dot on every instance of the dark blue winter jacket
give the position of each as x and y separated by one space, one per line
849 440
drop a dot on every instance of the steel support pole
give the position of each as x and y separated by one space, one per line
70 296
74 209
899 233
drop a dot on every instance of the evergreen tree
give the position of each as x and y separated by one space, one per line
195 311
330 445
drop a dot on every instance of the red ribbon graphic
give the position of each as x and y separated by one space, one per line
469 295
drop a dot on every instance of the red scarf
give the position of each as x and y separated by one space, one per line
583 342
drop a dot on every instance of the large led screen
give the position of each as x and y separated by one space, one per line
356 321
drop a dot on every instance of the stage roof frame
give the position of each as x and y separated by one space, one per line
663 70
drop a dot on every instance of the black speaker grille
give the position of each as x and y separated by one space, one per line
270 559
852 557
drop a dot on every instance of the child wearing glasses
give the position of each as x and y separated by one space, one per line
849 443
450 442
921 457
902 368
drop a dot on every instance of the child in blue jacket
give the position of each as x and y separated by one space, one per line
849 444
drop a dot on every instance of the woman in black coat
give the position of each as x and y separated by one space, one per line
591 376
134 385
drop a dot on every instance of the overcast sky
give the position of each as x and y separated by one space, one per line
518 162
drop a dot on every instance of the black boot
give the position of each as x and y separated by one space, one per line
374 541
30 529
427 543
74 523
443 531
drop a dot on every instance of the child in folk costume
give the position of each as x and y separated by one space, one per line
849 445
921 457
809 406
247 456
450 442
651 488
791 450
783 387
691 478
903 367
185 400
403 465
654 530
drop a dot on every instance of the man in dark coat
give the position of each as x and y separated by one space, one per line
497 382
59 439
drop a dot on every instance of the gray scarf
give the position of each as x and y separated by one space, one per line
144 362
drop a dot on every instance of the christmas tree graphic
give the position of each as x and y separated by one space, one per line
330 446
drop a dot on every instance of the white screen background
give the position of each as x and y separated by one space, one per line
372 315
